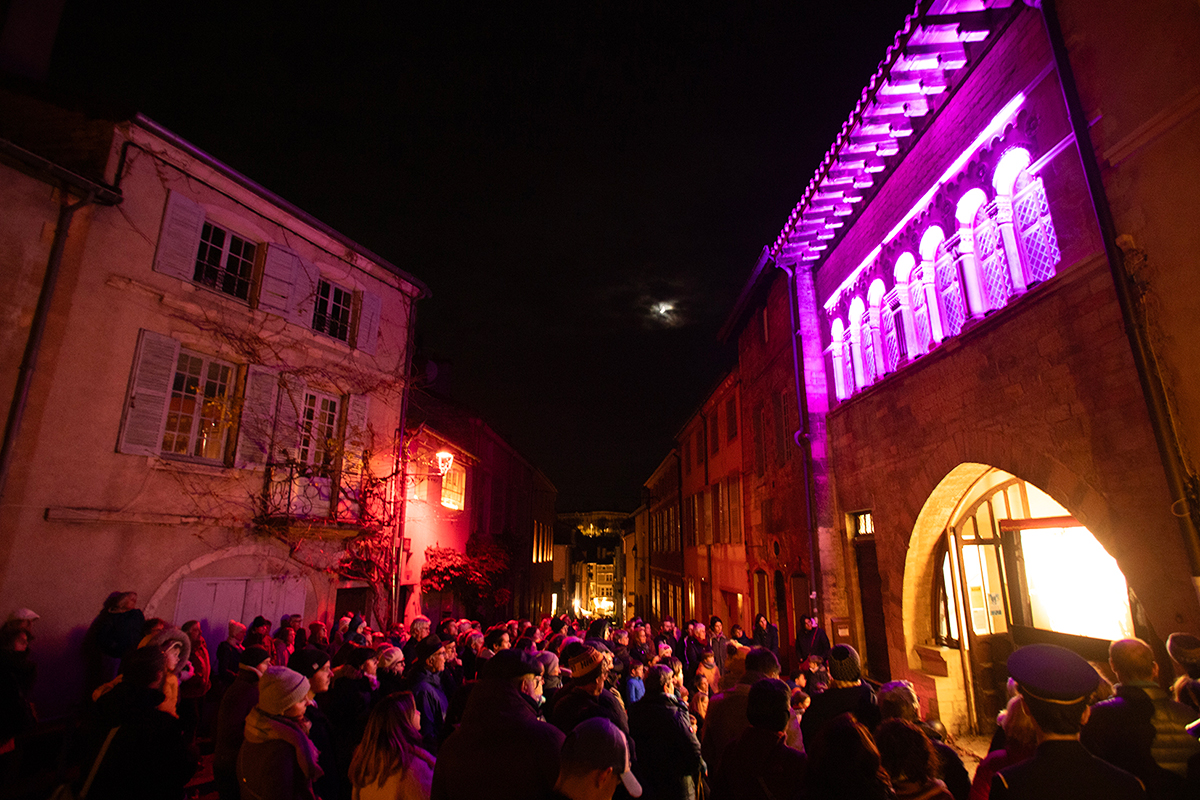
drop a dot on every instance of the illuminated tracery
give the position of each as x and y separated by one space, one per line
1003 244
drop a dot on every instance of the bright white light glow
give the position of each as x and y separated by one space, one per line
663 309
1074 585
995 126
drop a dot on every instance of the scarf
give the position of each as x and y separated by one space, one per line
263 727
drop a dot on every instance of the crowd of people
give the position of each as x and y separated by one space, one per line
556 709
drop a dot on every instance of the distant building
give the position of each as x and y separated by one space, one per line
713 509
203 384
488 501
598 562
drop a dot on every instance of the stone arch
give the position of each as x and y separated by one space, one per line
262 550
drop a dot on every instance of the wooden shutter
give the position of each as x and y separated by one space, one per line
366 331
289 411
355 439
304 292
279 274
258 417
179 239
149 392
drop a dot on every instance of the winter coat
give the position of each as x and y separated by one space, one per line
277 760
760 766
426 688
833 702
726 719
668 754
239 698
574 704
201 680
347 704
500 735
229 658
766 637
17 676
148 756
335 783
1142 730
1064 769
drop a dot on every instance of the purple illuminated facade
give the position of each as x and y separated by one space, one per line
997 429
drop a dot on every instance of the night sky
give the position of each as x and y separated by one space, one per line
583 186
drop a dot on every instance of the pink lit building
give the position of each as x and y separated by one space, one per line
992 279
204 405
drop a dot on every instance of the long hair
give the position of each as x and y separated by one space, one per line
388 742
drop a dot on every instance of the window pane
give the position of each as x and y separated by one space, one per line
1075 586
197 421
985 598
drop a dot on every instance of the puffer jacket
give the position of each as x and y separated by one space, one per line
1141 727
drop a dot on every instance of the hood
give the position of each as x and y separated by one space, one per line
168 635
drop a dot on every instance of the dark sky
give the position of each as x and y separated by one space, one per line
551 170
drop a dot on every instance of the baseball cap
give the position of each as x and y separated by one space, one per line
597 744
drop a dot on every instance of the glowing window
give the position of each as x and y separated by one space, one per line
985 595
198 419
949 287
990 260
454 487
224 262
318 432
1063 565
920 309
1035 229
945 616
895 348
868 353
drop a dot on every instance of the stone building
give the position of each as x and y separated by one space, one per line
994 275
203 385
714 541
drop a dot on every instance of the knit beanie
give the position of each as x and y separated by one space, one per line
254 655
279 689
1184 648
390 657
844 664
308 661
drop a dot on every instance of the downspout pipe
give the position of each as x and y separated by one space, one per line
1151 382
802 436
91 192
401 467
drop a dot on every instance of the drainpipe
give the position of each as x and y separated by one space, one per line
802 436
1153 391
92 192
401 467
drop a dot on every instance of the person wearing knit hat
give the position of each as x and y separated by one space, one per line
424 681
586 696
239 698
229 654
391 670
313 663
277 759
846 693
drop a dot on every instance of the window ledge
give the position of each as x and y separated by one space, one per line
191 467
933 659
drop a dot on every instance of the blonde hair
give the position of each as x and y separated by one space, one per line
388 744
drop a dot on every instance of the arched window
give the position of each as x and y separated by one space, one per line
994 276
843 369
951 309
864 371
925 275
888 309
1035 228
945 615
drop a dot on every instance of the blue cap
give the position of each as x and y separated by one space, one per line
1052 673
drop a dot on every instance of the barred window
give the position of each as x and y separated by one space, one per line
331 312
225 261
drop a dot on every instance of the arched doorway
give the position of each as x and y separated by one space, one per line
1007 565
